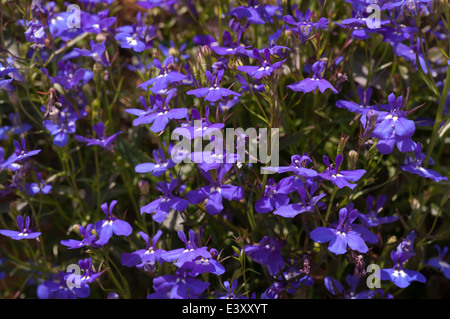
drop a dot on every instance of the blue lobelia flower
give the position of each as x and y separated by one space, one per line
393 128
25 231
214 92
346 233
314 83
106 227
304 26
36 33
372 218
50 289
255 12
87 235
145 258
159 114
229 46
160 166
216 191
230 291
97 53
177 286
400 276
97 23
161 206
164 78
101 140
130 40
19 156
70 76
41 187
267 252
88 275
274 196
413 165
340 178
265 69
438 262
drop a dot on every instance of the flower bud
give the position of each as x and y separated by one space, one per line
144 187
353 157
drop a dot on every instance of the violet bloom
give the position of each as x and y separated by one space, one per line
216 191
106 227
191 252
229 46
101 140
19 156
400 276
160 166
230 291
438 262
161 206
413 165
335 288
372 218
314 83
86 234
265 69
361 24
341 178
161 82
145 258
177 286
59 290
202 265
130 40
255 12
97 53
214 92
36 34
25 231
160 114
345 234
267 252
364 106
17 127
298 167
307 202
304 26
88 275
41 187
274 196
394 128
69 76
97 23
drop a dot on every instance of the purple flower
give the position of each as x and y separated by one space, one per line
201 265
97 53
41 187
364 106
400 276
394 128
255 13
160 166
178 286
15 128
88 274
181 256
216 191
314 83
335 287
304 26
50 289
267 252
229 46
106 227
71 77
230 291
438 262
97 23
307 203
214 92
25 231
161 82
145 258
371 218
413 165
36 34
19 156
345 234
161 206
340 178
88 238
265 68
274 196
130 40
101 140
160 114
298 167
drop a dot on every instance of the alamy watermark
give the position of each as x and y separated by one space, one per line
263 145
74 19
